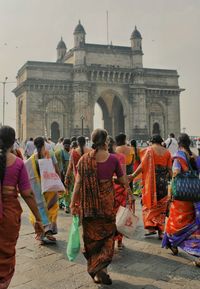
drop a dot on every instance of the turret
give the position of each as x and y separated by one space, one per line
136 40
79 35
61 50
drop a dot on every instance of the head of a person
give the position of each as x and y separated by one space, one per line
120 139
172 135
111 145
156 139
60 139
49 139
74 144
73 138
39 143
184 141
7 139
134 143
99 139
66 144
81 143
31 139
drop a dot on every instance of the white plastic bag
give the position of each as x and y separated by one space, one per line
126 222
50 181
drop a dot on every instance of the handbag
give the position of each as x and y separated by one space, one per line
186 186
126 222
73 246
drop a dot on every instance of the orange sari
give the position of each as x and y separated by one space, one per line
154 197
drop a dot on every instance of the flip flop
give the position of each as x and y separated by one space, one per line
150 233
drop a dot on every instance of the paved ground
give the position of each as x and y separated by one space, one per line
142 264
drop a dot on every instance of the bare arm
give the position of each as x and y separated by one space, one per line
29 198
137 172
75 201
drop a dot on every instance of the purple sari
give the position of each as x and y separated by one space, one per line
188 239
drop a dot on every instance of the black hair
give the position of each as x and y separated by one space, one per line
120 139
74 144
7 139
73 138
99 137
134 145
110 145
81 142
172 135
157 139
39 143
184 142
31 139
66 141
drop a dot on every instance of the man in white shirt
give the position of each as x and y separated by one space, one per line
171 144
30 148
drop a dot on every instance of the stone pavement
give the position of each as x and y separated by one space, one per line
142 264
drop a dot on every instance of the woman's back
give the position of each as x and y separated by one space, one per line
16 174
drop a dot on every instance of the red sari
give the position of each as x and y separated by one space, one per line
154 199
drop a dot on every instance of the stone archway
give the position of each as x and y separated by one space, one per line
55 131
156 128
113 112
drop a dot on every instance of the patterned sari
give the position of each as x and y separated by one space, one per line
155 183
47 202
183 225
97 215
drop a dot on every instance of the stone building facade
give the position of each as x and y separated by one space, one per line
58 98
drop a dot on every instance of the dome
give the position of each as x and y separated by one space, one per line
79 28
136 34
61 44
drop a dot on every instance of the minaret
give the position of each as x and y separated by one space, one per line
61 50
136 40
136 45
79 35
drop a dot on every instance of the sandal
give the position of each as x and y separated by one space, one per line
150 233
102 278
173 249
197 262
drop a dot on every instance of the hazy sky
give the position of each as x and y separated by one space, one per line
31 29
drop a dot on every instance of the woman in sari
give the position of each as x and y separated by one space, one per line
183 225
75 155
121 193
137 185
13 180
93 199
156 169
47 202
127 150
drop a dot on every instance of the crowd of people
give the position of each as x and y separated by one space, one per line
98 179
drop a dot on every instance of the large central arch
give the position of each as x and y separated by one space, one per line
113 112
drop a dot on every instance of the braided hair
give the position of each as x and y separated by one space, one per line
81 142
39 143
111 145
7 139
184 142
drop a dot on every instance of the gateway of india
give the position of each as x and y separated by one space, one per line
58 98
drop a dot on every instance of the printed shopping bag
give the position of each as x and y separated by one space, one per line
50 181
73 246
126 222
